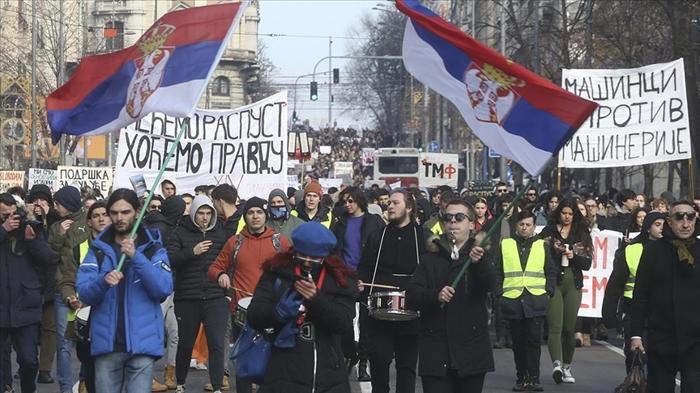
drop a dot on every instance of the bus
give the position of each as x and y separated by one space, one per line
397 164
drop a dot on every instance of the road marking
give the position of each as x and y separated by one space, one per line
620 352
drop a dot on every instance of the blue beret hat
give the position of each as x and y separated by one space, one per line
313 239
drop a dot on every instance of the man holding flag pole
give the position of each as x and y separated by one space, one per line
166 71
513 111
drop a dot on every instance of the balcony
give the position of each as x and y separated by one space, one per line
106 7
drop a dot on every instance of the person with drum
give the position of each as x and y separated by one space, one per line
526 279
389 260
97 220
308 297
192 249
455 350
126 321
239 264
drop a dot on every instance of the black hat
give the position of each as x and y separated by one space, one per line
40 191
255 202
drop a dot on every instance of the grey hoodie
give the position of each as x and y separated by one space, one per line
199 201
286 226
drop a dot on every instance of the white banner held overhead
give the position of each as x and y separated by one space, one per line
9 179
97 178
367 156
438 169
245 147
42 176
341 168
642 118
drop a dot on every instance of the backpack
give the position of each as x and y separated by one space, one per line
239 242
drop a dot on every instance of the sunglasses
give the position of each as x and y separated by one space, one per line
681 215
531 194
459 217
502 190
349 200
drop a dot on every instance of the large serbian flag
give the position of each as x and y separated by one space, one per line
165 71
511 109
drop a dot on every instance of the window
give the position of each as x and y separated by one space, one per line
220 86
400 165
114 35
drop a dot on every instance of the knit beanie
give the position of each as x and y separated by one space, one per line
313 239
40 191
315 187
255 202
69 197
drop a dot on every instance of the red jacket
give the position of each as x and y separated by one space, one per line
253 253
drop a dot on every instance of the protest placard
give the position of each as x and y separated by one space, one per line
327 183
244 147
97 178
605 244
367 156
10 179
42 176
341 168
438 169
642 118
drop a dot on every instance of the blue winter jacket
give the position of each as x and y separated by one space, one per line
149 282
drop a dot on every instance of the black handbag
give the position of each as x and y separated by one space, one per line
636 380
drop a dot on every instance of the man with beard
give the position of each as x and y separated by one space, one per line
455 352
192 249
97 220
24 253
390 257
126 321
665 301
310 208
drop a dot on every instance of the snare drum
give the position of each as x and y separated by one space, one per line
242 312
390 306
82 329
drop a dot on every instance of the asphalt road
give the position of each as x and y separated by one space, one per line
599 368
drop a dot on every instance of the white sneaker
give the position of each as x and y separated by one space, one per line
180 389
200 366
193 364
568 377
557 373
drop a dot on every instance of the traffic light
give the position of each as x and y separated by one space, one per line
294 116
314 91
336 76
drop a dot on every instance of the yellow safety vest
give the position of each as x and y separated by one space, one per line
437 228
241 225
83 250
326 223
633 253
515 279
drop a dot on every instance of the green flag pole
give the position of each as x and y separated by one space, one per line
170 154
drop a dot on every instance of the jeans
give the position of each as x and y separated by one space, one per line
64 348
25 340
117 371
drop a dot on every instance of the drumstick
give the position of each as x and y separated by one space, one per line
380 286
241 291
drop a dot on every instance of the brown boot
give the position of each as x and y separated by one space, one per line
225 385
156 386
586 340
170 377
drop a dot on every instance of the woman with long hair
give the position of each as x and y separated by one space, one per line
636 220
572 250
481 207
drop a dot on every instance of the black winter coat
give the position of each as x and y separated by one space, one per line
191 281
317 356
665 298
21 262
578 264
526 305
457 336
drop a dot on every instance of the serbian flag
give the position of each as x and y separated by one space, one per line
512 110
165 71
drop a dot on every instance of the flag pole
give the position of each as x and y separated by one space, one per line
142 213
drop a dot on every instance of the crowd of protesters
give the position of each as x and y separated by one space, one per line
198 257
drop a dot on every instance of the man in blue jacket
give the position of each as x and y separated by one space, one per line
24 253
126 321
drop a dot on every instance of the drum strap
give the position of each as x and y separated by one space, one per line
276 243
376 263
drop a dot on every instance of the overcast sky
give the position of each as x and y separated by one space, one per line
295 56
